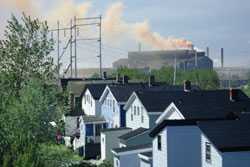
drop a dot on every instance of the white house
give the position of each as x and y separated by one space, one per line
221 143
128 156
110 140
112 101
90 99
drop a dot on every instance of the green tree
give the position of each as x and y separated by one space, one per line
29 96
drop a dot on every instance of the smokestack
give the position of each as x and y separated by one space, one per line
151 80
207 51
222 57
187 86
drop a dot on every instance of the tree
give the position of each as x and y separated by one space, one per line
30 97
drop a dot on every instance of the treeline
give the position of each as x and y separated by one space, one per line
205 79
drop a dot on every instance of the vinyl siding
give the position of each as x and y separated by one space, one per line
109 140
236 159
160 156
137 117
144 163
92 106
110 110
216 158
183 146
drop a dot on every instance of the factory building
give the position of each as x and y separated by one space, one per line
184 59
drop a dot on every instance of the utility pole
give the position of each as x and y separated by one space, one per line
58 49
75 40
100 46
175 70
71 49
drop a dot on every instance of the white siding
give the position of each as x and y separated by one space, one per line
144 164
90 106
109 140
137 116
216 158
160 156
110 110
236 159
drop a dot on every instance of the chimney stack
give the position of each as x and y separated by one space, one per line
207 51
187 86
105 75
233 94
151 80
125 79
222 58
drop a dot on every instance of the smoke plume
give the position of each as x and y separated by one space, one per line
141 32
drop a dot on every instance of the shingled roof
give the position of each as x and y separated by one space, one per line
132 148
96 90
228 136
155 101
133 133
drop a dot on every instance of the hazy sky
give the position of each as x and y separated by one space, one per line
213 23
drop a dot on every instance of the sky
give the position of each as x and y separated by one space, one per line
156 24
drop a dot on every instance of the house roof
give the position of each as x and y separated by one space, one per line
147 154
228 136
133 133
92 119
122 92
132 148
74 114
159 127
114 129
96 90
155 101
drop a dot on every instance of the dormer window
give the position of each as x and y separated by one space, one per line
159 142
208 152
134 110
138 110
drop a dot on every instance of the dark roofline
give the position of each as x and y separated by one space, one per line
234 149
74 114
187 122
133 133
114 129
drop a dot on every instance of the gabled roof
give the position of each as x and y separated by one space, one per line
155 101
228 136
96 90
132 134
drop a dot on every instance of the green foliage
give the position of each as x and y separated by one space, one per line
246 89
206 79
29 96
106 164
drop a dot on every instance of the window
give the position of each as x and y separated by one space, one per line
138 110
84 99
132 117
134 110
208 152
77 122
113 105
103 140
117 162
159 142
142 118
98 128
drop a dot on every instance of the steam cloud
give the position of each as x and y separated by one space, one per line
113 23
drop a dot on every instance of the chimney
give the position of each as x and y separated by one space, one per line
125 79
151 80
187 86
104 75
222 57
117 78
207 51
233 94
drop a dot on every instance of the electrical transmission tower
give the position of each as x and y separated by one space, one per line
71 44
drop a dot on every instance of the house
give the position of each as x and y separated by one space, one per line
128 156
86 140
145 159
145 106
110 140
90 99
135 137
209 105
210 143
